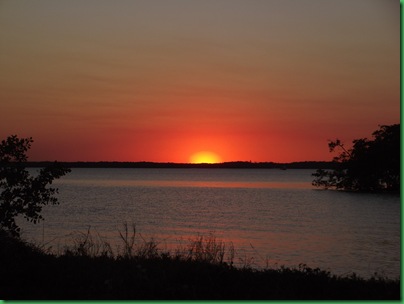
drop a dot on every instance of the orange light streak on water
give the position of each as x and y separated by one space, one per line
198 184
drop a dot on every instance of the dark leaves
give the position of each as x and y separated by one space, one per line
21 193
370 165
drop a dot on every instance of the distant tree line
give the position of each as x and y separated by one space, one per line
369 165
225 165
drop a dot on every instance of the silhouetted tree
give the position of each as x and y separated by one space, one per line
21 193
370 165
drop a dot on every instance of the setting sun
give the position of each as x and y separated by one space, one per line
204 157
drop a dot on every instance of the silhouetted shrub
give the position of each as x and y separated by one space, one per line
21 193
370 165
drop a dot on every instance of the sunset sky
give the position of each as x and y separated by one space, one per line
161 80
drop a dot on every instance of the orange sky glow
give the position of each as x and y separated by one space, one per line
161 80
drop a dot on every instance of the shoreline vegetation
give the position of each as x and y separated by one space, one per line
225 165
203 269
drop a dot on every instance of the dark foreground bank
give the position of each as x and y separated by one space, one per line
29 273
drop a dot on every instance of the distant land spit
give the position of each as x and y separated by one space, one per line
225 165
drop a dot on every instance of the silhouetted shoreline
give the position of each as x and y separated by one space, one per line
225 165
142 272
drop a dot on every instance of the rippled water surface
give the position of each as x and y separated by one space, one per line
270 215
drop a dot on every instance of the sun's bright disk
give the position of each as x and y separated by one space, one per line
204 157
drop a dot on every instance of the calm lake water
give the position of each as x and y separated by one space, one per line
269 215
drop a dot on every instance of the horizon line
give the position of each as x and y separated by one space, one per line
178 163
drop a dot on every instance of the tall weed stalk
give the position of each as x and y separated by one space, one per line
86 244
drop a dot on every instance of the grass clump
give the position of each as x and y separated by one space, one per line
86 244
207 249
201 270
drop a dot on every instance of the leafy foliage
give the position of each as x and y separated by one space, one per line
21 193
370 165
